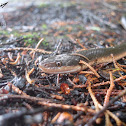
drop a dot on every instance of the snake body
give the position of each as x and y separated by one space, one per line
69 63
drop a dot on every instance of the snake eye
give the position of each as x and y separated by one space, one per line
58 64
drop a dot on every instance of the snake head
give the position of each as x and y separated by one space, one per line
64 63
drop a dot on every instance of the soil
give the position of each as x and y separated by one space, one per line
35 98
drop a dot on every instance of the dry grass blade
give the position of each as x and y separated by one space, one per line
28 76
109 90
107 120
81 44
28 49
108 82
89 66
17 90
103 109
94 101
33 52
16 61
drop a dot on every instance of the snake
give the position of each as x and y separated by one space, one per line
70 62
